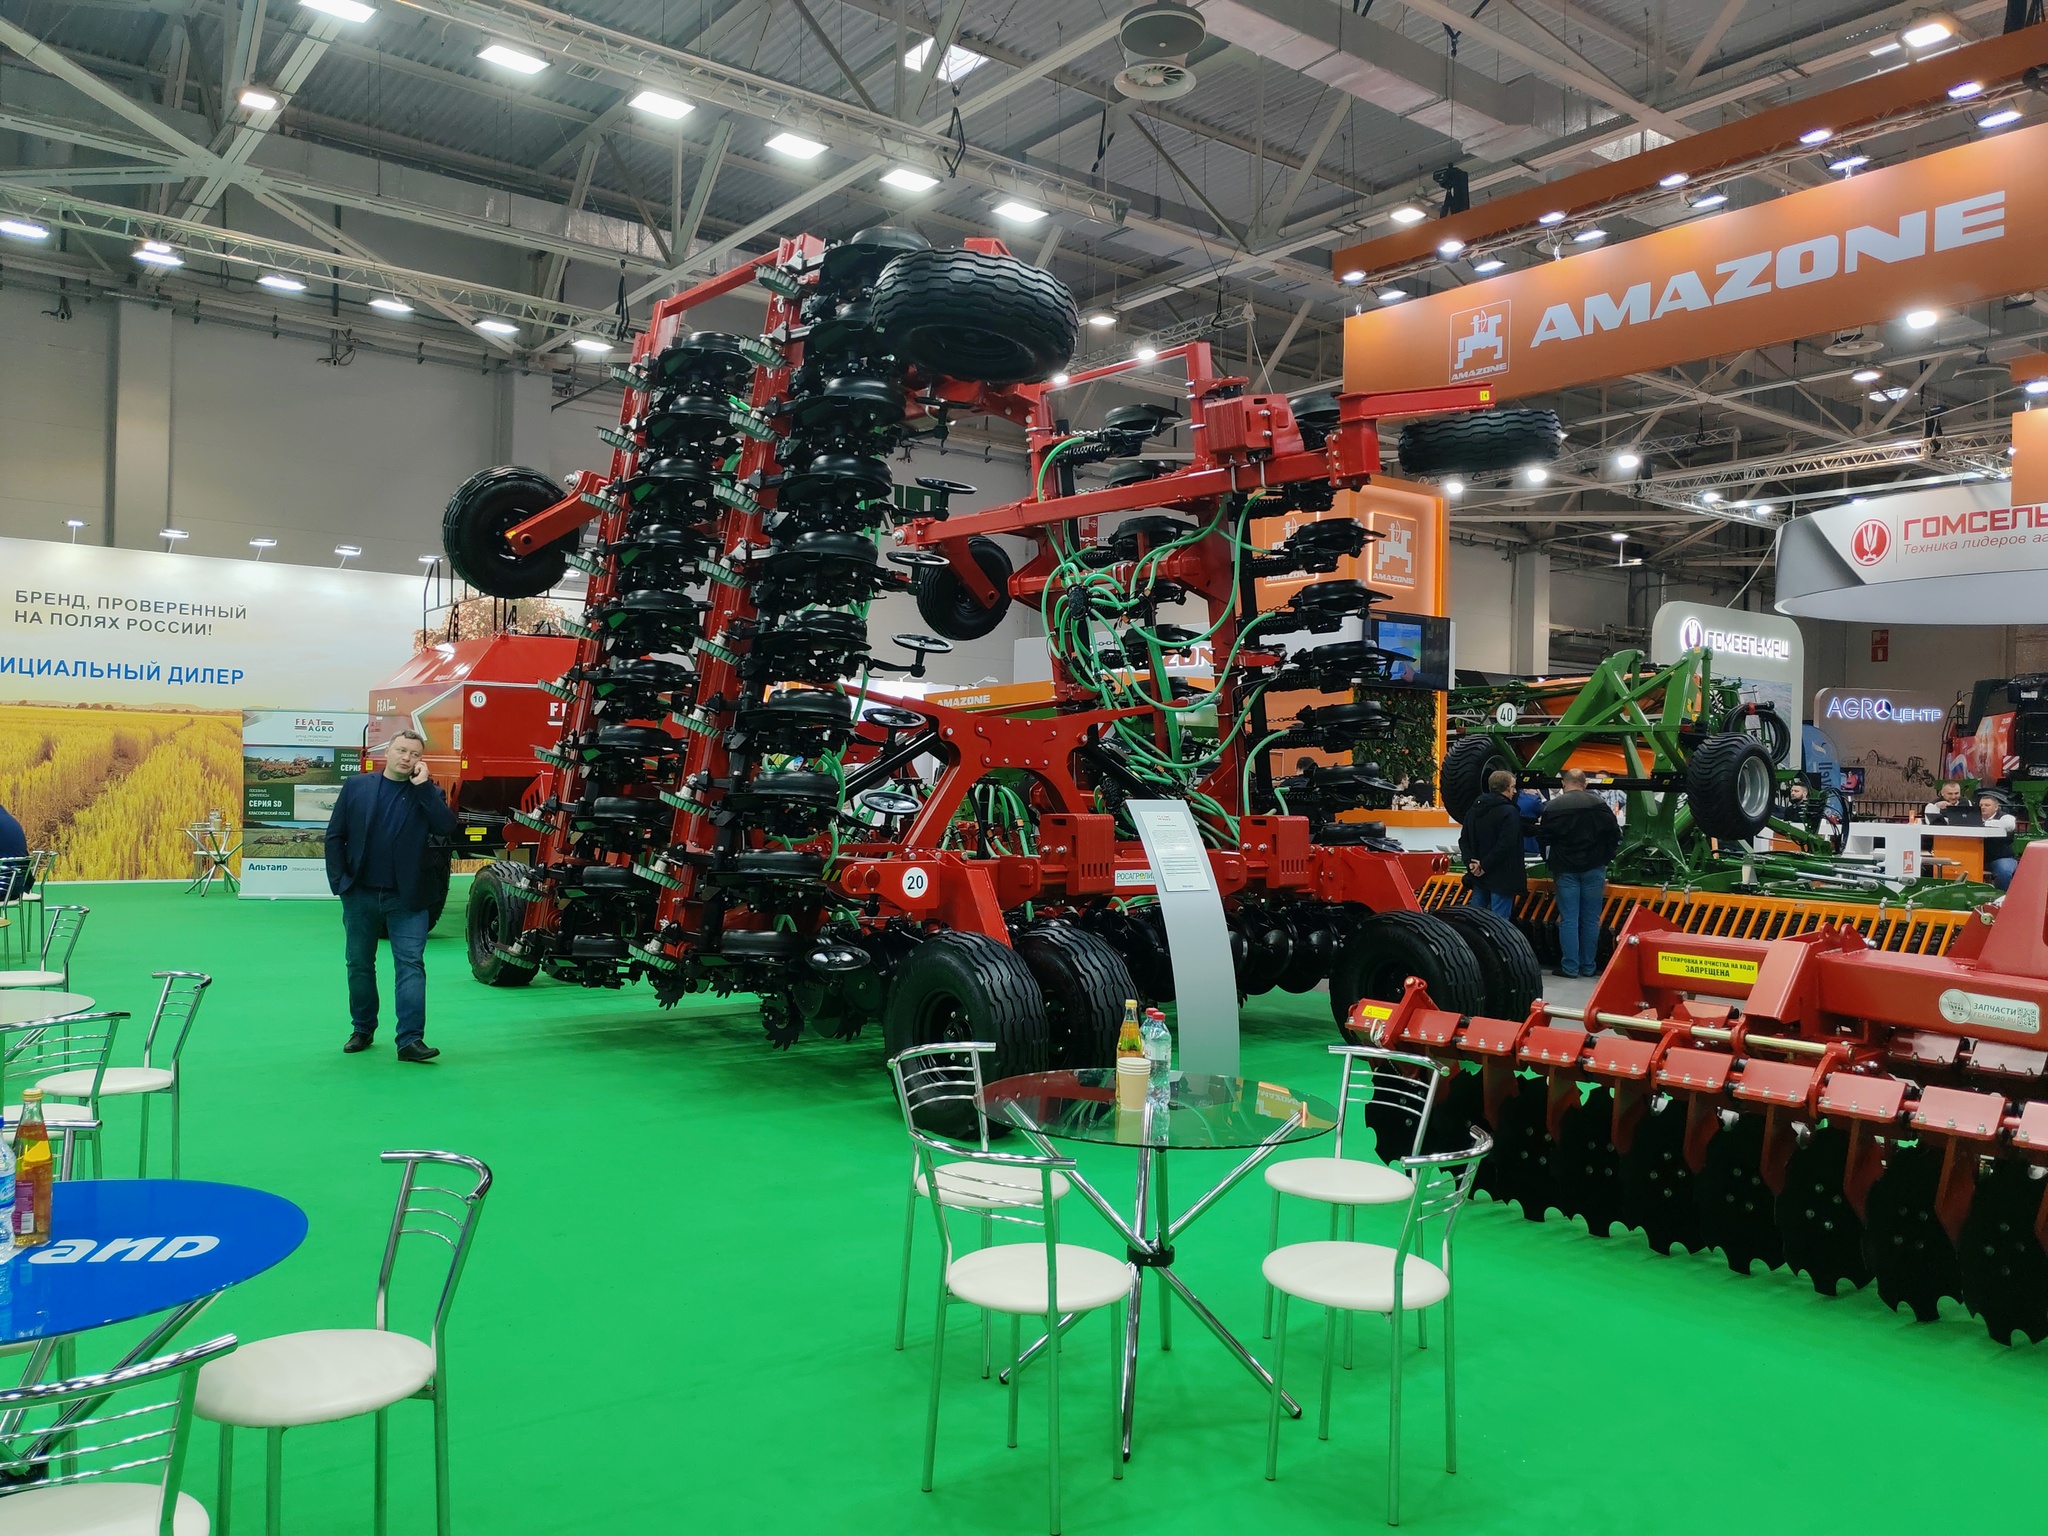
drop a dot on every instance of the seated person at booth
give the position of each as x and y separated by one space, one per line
2001 860
1948 809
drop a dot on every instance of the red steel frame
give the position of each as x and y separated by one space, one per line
1242 442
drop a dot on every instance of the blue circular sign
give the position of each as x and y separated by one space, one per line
124 1248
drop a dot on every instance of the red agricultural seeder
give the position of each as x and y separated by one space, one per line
729 808
1811 1101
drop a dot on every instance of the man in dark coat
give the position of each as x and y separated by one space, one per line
377 863
1579 835
1491 845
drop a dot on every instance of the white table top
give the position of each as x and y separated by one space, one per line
33 1007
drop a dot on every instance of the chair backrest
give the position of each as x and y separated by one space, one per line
1442 1185
40 862
1011 1187
938 1088
99 1427
79 1042
66 923
14 878
177 1006
447 1214
1397 1092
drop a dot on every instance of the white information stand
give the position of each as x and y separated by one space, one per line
1204 980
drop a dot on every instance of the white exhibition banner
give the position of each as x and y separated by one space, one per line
1760 652
294 762
88 625
1957 554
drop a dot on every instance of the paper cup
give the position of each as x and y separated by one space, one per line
1133 1081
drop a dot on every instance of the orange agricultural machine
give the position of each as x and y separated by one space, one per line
1811 1101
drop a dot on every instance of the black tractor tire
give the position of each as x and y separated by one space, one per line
1480 443
982 319
479 514
952 610
1729 787
1512 975
497 911
1467 762
1385 949
956 987
1085 984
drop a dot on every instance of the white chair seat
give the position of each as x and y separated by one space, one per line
58 1117
1010 1277
99 1508
77 1084
314 1377
19 979
989 1187
1358 1277
1332 1180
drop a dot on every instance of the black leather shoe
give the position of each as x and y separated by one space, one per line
358 1042
419 1050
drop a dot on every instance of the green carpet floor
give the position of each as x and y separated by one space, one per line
678 1313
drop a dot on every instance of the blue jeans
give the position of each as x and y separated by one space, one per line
2000 872
1579 899
1495 902
366 917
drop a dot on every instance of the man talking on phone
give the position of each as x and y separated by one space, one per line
377 864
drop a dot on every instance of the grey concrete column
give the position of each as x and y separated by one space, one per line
1529 620
139 493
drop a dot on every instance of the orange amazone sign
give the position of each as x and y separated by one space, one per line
1953 228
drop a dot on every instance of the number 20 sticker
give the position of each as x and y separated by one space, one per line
916 882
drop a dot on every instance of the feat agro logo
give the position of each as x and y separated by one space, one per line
1480 341
1871 542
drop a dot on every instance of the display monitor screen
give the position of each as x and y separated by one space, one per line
1421 644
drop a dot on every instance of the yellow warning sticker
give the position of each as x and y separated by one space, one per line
1706 968
1371 1011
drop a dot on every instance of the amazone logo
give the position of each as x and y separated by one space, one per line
1957 224
129 1250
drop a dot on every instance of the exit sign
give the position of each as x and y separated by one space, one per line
1880 645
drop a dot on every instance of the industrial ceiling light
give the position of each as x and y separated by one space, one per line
1157 39
1018 213
661 104
1551 218
1889 396
1884 48
591 346
1491 264
1454 487
74 524
1392 295
1355 275
1927 32
1848 163
1407 213
1866 375
341 10
1965 90
281 282
518 60
796 146
430 559
1589 235
347 552
1675 179
1857 342
260 545
1449 248
390 304
956 66
173 535
1923 319
154 253
256 99
2036 386
1102 319
904 179
1628 461
494 327
1619 538
1814 136
1535 474
23 229
1708 200
1146 354
1710 497
1999 118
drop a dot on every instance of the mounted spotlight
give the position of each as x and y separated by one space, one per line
1853 343
1156 39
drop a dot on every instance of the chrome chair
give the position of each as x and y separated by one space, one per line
66 923
176 1007
15 876
1043 1278
1396 1095
1368 1277
939 1089
70 1446
36 898
78 1046
329 1374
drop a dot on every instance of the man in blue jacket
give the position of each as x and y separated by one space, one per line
377 865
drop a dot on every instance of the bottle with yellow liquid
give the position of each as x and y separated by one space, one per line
1133 1071
33 1173
1130 1040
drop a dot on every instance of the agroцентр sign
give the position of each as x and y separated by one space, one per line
1953 228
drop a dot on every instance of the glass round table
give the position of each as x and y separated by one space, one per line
18 1008
1185 1112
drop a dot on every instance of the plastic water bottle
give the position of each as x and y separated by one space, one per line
7 1198
1158 1044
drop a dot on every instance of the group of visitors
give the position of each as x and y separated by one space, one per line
1574 831
1949 809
